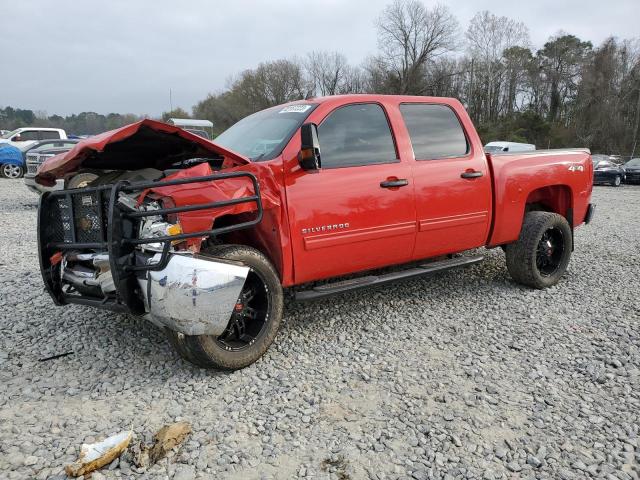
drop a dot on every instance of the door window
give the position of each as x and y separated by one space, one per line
435 131
356 135
49 134
28 135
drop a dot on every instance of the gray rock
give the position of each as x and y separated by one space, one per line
514 466
534 461
420 475
423 378
184 472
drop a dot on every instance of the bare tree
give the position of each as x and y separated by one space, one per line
271 83
517 62
409 36
354 81
327 72
488 37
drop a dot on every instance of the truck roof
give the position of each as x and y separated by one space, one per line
190 122
376 96
48 129
507 144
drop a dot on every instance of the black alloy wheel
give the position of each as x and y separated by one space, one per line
541 254
550 251
253 323
249 316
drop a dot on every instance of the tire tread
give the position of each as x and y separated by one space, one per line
521 255
201 350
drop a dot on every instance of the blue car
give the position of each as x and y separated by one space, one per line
11 161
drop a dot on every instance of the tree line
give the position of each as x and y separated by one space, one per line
567 93
85 123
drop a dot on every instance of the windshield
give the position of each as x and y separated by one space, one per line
603 164
10 134
263 135
634 162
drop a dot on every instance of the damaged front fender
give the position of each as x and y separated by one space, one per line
194 294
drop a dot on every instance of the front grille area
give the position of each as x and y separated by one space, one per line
33 162
85 220
76 218
90 215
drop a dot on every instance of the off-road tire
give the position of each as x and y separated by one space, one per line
205 350
179 344
522 255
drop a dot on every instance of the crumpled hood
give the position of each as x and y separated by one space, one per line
144 144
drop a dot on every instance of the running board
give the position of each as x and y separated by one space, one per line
372 280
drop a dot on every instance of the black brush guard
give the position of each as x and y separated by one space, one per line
91 219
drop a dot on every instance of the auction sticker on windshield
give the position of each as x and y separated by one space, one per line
295 109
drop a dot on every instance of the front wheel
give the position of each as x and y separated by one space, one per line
252 325
12 171
81 180
617 181
541 255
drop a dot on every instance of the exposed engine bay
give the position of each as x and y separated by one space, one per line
129 239
90 273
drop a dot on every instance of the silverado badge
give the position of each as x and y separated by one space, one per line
325 228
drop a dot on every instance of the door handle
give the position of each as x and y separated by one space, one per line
400 182
471 174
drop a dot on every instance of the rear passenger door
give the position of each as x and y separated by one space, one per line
452 182
49 135
357 212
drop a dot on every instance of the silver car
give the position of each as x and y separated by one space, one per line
37 154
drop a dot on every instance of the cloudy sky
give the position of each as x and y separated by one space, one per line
68 56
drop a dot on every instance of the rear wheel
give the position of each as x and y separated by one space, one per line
252 325
541 255
12 171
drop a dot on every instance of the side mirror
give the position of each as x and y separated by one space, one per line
17 138
309 156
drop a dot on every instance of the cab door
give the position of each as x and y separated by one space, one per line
452 181
25 138
357 212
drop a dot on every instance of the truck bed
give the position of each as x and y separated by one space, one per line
557 180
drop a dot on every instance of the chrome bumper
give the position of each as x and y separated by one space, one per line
30 182
193 294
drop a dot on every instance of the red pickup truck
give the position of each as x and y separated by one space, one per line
201 237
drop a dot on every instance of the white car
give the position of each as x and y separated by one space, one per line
496 147
24 137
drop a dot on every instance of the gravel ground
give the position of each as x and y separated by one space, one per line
462 375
